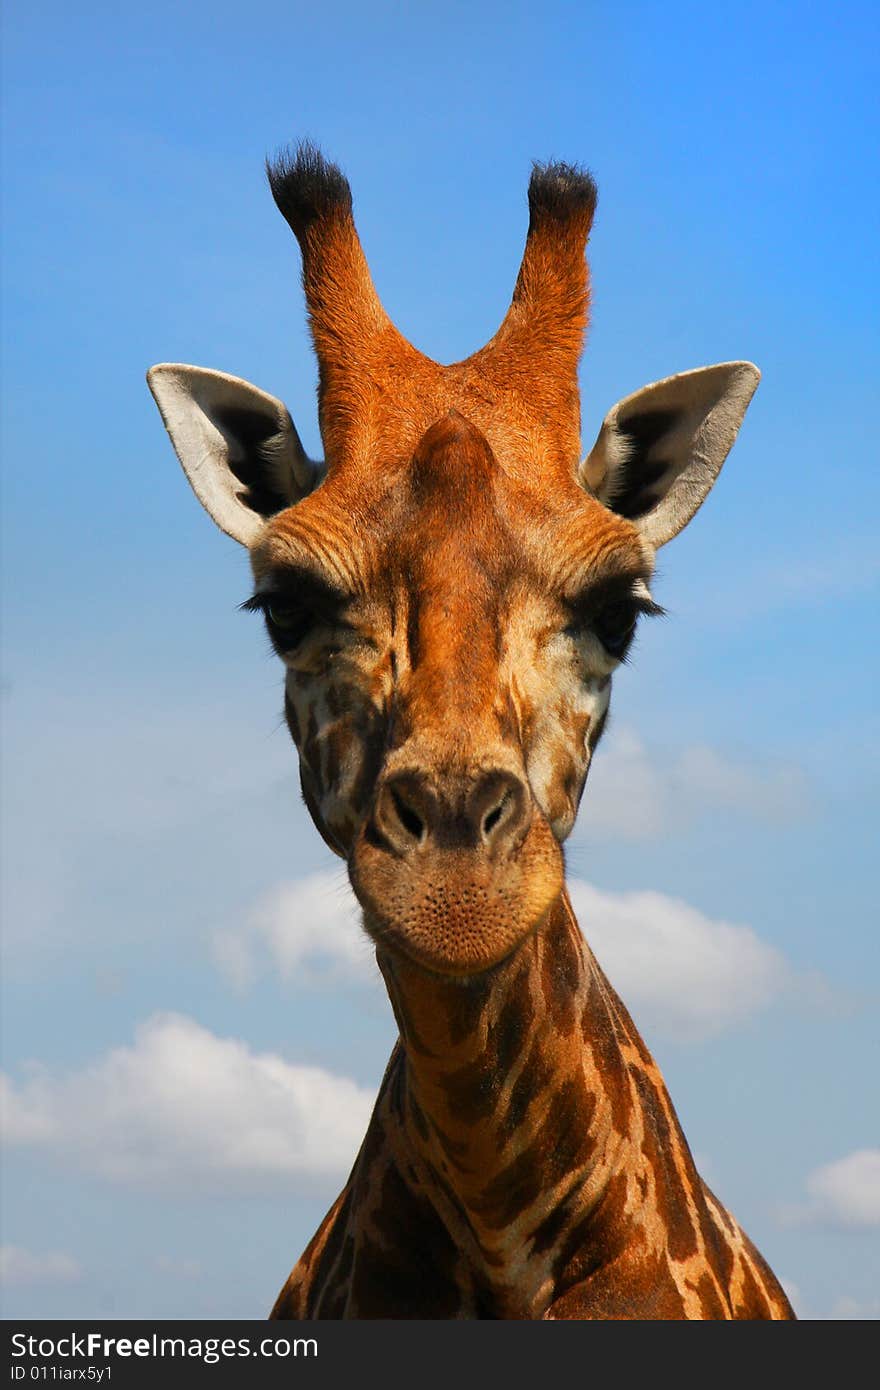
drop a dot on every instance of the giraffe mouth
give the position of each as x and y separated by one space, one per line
456 912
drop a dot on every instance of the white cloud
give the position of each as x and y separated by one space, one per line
845 1192
639 795
22 1122
626 794
682 974
704 777
184 1108
20 1266
310 930
856 1309
844 1308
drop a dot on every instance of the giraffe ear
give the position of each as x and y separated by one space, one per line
238 446
660 450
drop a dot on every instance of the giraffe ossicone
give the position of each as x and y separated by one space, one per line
450 592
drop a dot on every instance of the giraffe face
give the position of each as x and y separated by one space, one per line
449 634
452 599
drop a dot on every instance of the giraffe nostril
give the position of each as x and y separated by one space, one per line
487 812
402 816
499 811
491 820
409 819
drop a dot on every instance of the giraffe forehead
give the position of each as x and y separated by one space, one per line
462 499
451 519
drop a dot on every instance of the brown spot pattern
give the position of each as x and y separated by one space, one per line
523 1159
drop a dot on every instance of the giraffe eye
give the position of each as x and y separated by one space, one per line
609 613
282 615
287 624
614 626
292 612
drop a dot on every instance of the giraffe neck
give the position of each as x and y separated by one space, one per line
524 1161
517 1104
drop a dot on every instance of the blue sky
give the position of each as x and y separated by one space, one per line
163 887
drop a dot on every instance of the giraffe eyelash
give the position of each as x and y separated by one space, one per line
647 608
611 616
304 592
256 603
292 615
586 607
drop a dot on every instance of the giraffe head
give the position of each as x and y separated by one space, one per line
452 589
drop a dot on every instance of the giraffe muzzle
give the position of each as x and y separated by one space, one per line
455 874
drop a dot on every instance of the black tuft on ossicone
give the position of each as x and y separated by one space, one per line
307 187
561 191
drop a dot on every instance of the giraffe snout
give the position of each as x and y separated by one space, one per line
454 866
489 811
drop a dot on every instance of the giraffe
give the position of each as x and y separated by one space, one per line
450 593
